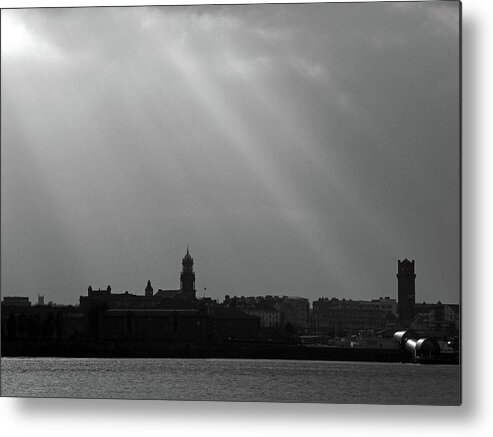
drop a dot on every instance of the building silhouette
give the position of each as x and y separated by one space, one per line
274 311
167 315
406 292
186 294
437 320
182 298
146 320
187 277
343 317
149 291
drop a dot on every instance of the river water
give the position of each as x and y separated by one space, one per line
232 380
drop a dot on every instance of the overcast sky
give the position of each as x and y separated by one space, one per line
298 149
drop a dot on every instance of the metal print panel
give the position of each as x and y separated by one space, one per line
237 203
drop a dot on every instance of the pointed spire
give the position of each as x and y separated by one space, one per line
187 259
149 291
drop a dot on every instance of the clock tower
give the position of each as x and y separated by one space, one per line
187 277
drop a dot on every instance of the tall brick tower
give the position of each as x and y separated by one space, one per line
406 292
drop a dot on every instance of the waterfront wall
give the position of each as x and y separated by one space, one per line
151 349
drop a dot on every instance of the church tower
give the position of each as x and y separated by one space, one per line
406 292
149 291
187 277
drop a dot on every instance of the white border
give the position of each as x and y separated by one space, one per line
55 417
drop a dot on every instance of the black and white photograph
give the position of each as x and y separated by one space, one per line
243 202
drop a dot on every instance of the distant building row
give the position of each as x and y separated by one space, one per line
177 314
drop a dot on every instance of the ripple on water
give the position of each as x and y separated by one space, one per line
232 380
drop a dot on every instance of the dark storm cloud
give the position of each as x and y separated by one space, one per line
298 149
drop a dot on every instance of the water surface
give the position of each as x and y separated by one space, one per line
232 380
